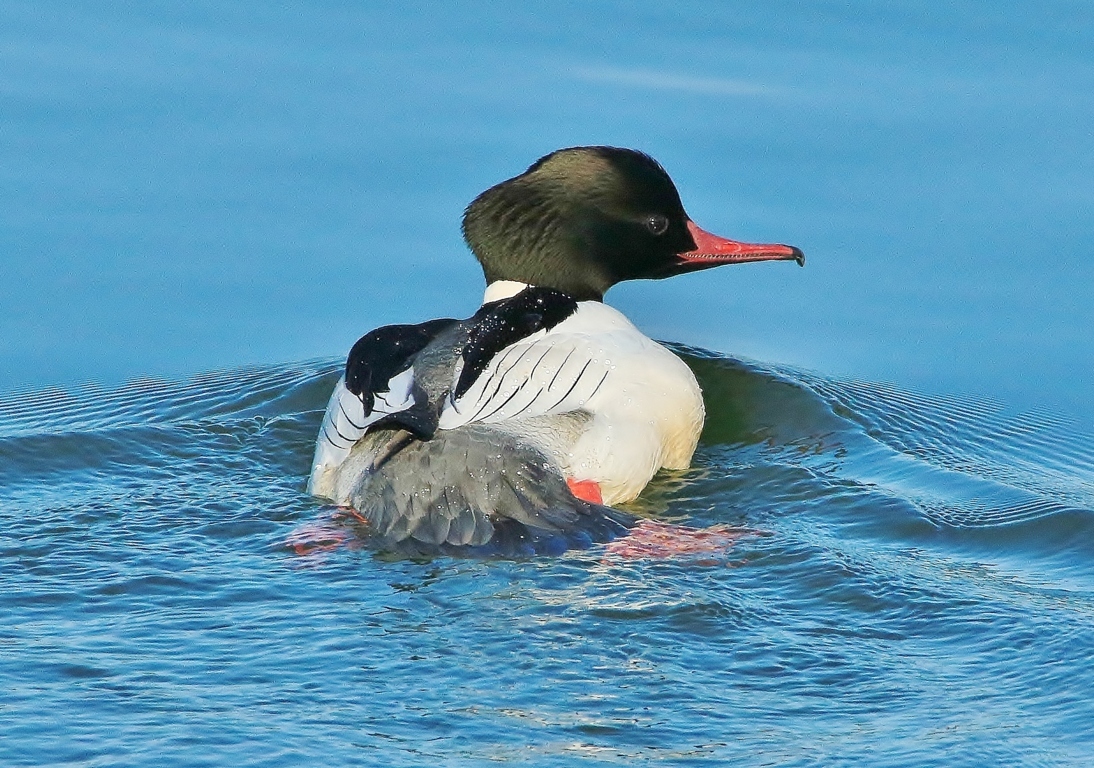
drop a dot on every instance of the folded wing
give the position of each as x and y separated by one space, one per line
378 383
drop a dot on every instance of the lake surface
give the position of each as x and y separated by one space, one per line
204 206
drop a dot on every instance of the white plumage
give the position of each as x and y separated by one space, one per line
643 408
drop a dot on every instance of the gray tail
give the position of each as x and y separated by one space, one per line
474 491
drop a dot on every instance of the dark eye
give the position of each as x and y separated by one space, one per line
657 224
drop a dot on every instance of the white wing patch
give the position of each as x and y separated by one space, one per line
551 374
345 422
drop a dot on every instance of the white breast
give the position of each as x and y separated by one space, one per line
645 407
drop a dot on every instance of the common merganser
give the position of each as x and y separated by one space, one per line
515 430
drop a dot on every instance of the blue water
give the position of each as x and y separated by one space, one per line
916 589
205 204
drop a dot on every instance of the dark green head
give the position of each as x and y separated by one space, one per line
582 219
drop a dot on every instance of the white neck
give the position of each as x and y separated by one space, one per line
502 289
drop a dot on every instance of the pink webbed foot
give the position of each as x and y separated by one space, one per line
656 540
326 534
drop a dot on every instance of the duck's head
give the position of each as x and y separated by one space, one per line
582 219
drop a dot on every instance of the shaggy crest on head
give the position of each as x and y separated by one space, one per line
513 430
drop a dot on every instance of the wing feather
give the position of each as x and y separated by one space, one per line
346 421
378 383
542 376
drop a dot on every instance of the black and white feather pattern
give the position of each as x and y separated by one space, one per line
347 421
548 374
379 383
489 417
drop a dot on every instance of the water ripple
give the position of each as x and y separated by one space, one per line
917 581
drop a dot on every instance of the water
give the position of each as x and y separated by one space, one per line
197 196
917 589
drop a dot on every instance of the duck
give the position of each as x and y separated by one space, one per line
520 429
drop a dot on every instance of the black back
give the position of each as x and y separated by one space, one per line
501 323
433 348
385 352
